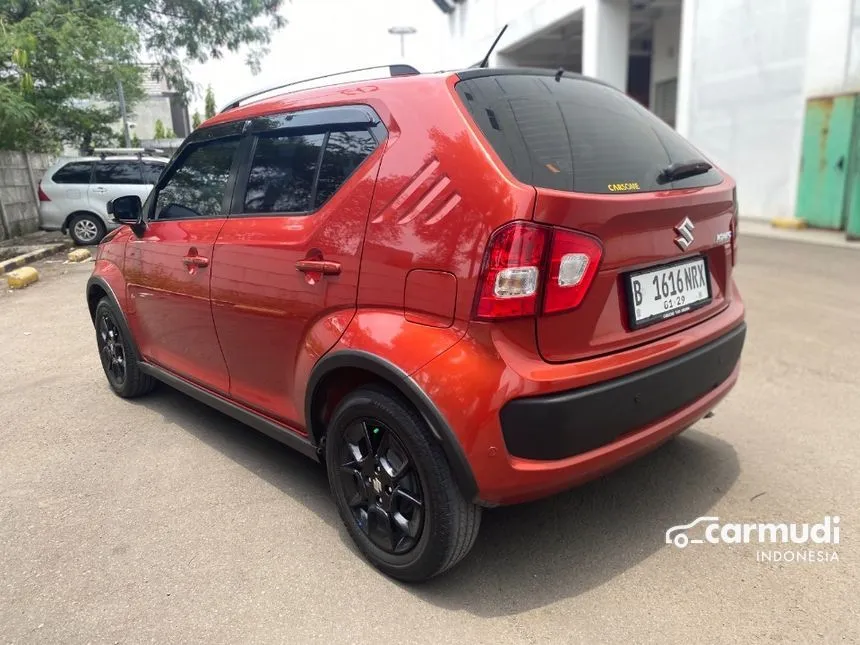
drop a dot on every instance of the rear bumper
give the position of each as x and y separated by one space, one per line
565 424
472 384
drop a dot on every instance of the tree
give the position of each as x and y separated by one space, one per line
196 120
175 31
135 141
60 60
209 108
170 134
159 130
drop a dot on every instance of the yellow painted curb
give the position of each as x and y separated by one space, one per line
79 255
23 277
791 223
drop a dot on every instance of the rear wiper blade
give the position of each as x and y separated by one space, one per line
682 170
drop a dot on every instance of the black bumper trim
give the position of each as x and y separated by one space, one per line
569 423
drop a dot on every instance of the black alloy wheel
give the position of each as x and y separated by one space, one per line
394 488
381 486
111 349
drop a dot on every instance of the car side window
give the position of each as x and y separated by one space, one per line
76 172
152 171
117 172
282 174
197 185
344 152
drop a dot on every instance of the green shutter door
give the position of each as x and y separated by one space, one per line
852 200
824 169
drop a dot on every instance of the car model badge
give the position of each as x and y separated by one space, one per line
685 234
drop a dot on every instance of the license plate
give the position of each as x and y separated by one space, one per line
667 291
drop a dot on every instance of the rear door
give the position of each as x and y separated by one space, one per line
168 268
597 161
286 263
114 178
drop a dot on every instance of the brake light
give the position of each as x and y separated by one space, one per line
42 196
573 263
511 273
526 263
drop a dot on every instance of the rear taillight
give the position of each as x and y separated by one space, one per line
573 261
532 268
511 273
42 196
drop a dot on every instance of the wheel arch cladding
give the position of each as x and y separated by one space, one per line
358 367
95 292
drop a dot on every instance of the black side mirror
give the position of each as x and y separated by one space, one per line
127 210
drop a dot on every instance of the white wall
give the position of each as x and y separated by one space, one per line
853 74
144 114
665 50
605 40
833 62
476 23
742 94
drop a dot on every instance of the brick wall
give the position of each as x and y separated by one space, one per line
17 195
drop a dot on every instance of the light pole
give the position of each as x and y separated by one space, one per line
122 112
402 32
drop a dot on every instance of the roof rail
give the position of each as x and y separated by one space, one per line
138 152
394 70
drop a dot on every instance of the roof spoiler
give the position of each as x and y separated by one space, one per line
393 70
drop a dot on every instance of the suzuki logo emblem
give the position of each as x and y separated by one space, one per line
685 234
377 485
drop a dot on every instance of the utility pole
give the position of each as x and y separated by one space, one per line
122 112
402 32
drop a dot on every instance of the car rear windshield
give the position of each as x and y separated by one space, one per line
576 135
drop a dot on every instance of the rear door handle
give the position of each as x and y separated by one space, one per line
318 266
195 261
99 189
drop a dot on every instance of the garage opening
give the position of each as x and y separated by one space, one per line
652 46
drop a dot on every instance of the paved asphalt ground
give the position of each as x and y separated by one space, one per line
162 521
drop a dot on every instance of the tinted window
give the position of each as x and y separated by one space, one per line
196 187
344 152
152 171
576 135
282 174
77 172
117 172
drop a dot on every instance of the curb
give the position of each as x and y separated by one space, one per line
31 256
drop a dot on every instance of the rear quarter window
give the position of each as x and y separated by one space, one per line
75 172
576 135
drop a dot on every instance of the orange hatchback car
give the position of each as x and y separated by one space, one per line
457 290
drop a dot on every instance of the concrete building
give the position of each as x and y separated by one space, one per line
160 103
733 76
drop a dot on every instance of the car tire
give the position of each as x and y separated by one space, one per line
86 229
118 354
379 450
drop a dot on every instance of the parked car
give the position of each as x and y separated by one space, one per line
457 290
74 193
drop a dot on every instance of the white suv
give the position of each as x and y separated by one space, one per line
74 193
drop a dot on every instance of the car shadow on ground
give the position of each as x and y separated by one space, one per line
526 556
